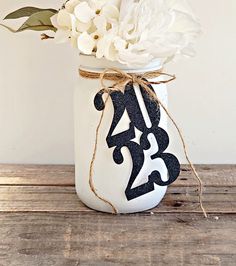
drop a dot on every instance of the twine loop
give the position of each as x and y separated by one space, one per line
120 79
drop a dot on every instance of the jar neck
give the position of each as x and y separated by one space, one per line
93 64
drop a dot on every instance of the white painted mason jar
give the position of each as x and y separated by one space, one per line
110 178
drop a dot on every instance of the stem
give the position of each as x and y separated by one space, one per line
44 36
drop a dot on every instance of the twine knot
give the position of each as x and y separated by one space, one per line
122 78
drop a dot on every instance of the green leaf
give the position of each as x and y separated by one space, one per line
39 21
27 12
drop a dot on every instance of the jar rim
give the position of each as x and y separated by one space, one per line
91 63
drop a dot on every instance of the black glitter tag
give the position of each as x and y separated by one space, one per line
128 101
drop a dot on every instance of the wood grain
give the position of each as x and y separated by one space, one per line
43 223
52 239
56 199
63 175
39 175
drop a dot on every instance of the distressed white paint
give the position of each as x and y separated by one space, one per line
109 178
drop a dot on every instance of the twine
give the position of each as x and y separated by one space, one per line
121 79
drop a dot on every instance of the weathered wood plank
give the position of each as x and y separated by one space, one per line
55 199
70 239
44 223
53 175
37 175
211 175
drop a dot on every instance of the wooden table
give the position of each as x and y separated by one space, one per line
42 222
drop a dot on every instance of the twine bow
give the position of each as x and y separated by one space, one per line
120 80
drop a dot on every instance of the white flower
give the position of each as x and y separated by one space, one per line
86 43
156 29
84 12
65 23
133 32
106 46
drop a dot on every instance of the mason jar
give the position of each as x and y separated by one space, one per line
131 144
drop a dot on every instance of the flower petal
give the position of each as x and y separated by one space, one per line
62 36
97 4
83 12
101 24
71 4
64 19
81 27
54 21
86 43
106 48
102 45
110 12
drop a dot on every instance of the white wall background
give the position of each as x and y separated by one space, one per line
37 80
